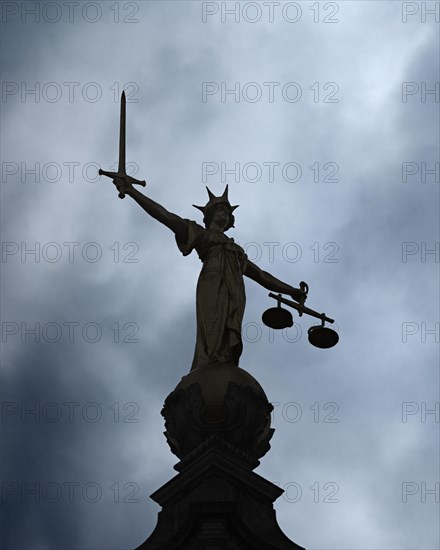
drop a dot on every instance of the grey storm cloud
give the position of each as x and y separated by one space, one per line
112 300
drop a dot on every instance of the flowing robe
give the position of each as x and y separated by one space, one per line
220 298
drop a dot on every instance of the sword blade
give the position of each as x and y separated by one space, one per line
121 168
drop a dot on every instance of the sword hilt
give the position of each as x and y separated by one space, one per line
122 176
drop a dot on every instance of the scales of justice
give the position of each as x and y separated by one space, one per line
217 419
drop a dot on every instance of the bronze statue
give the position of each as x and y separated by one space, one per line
220 299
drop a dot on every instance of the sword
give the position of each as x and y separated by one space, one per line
121 173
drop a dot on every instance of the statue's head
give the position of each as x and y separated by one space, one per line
221 214
215 209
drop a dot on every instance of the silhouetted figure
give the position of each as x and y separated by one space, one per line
220 299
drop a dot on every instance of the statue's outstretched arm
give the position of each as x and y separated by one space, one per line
270 282
174 222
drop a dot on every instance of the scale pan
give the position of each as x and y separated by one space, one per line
277 317
322 337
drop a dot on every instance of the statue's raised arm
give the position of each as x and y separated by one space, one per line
174 222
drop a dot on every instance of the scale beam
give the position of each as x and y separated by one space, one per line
301 308
278 318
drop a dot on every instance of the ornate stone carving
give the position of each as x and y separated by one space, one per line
235 410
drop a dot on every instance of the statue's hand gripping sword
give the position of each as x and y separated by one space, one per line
121 173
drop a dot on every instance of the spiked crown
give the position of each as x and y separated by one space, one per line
213 202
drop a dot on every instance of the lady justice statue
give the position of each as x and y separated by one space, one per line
220 298
218 417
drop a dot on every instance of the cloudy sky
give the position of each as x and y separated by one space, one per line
329 114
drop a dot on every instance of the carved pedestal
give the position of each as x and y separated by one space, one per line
218 423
